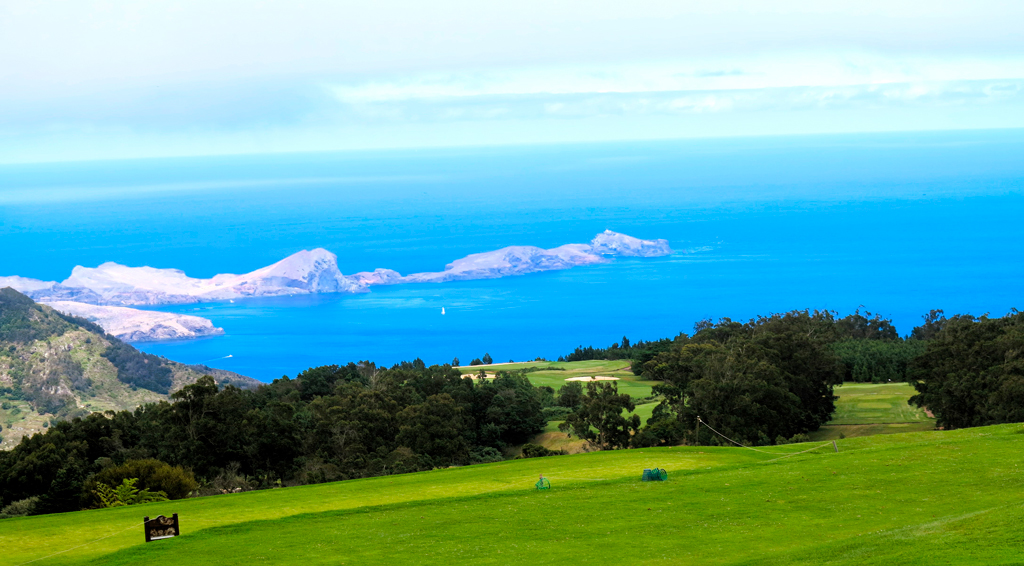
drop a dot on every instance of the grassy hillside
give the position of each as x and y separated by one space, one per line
949 497
862 409
874 408
53 366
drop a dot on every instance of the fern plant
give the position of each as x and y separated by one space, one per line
126 494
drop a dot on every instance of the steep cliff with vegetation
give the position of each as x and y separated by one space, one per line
54 367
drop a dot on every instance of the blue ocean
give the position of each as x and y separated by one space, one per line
895 224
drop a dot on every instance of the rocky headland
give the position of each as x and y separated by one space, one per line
135 325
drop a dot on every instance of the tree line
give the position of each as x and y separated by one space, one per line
329 423
638 352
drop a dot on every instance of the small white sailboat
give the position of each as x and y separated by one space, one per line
442 310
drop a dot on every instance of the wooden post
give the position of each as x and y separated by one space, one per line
696 432
835 446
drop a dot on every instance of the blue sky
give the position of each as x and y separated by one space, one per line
120 79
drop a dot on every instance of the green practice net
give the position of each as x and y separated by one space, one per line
656 474
543 483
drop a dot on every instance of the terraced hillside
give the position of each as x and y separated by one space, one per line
941 497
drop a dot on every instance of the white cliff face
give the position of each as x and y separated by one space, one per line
305 272
513 260
613 243
315 271
134 325
378 276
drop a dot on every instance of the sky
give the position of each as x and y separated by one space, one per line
85 79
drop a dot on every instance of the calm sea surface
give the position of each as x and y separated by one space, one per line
898 223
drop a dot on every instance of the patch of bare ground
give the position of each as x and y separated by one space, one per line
560 441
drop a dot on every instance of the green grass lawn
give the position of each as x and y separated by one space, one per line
628 383
864 409
941 497
871 403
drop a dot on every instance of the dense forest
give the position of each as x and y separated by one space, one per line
330 423
764 381
971 372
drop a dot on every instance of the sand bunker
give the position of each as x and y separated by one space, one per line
593 378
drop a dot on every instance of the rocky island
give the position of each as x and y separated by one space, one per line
101 293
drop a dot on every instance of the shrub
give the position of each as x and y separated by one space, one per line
538 451
20 508
152 475
232 480
799 437
485 454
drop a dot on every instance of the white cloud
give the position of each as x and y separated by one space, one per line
777 70
84 78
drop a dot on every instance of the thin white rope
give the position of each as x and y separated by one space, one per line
81 545
795 453
699 421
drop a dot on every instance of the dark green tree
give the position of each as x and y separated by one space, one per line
435 429
972 371
752 382
570 395
866 326
513 406
600 419
934 321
